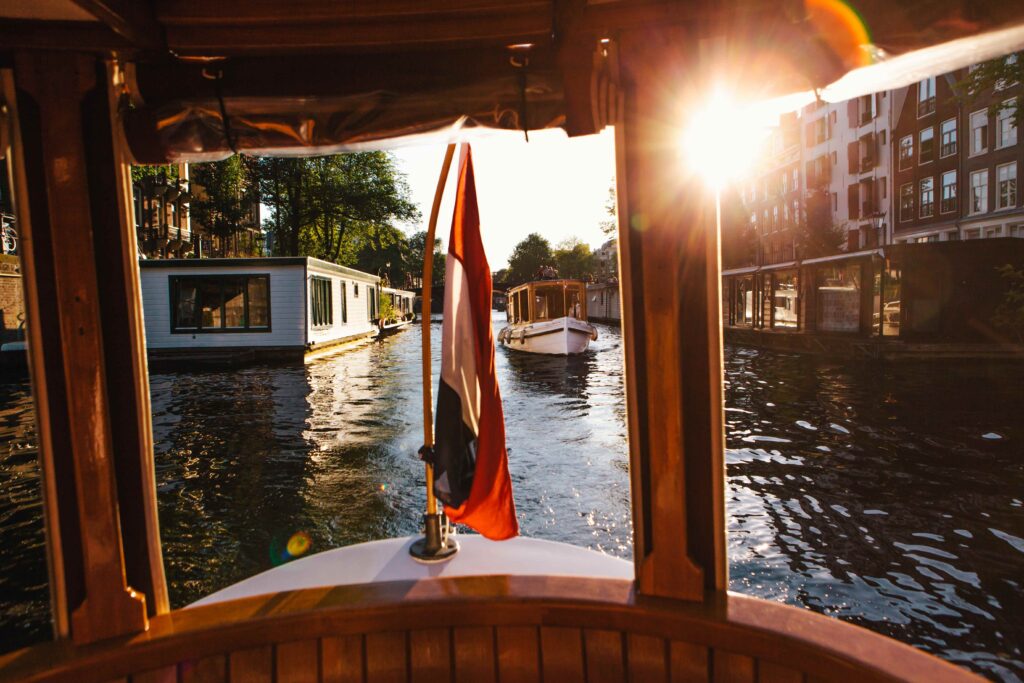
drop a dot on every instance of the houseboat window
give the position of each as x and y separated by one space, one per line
344 304
321 304
574 302
838 298
371 304
548 302
786 313
211 303
523 306
355 290
744 301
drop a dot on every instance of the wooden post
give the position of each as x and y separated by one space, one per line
86 349
670 271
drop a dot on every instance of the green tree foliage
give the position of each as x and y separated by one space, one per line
993 75
527 258
819 235
338 208
573 259
168 172
739 241
417 245
222 197
1009 315
610 226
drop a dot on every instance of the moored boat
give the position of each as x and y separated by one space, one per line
548 316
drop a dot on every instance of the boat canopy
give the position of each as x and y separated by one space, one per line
547 300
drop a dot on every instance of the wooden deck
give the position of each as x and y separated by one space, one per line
491 628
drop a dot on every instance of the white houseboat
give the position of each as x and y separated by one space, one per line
548 316
401 311
241 309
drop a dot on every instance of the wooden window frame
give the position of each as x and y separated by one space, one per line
173 283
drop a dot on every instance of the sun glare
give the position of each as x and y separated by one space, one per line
723 138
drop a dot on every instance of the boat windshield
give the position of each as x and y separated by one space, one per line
548 302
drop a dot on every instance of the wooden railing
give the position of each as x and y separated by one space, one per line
495 628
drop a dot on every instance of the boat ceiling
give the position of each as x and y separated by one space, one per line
206 78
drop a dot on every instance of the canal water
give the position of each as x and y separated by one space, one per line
889 496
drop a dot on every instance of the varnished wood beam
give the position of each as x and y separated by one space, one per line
132 19
668 254
80 36
59 97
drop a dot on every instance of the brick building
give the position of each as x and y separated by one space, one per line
957 162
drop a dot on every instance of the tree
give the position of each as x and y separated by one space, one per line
222 197
527 258
610 226
417 244
1009 314
329 206
574 259
995 74
739 241
819 235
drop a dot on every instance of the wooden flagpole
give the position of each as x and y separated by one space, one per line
431 545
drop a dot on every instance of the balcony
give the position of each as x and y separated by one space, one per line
925 107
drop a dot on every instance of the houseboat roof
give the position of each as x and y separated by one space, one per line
257 262
559 281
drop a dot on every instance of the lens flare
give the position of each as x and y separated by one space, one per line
723 138
844 30
298 544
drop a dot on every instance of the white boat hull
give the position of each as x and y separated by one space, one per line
561 337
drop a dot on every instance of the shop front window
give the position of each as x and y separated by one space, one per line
838 297
786 311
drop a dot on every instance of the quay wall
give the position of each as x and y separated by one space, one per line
12 302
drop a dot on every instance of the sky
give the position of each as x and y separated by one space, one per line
554 185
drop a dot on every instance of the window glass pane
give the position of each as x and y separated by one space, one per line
548 303
575 302
185 312
259 304
786 302
838 298
210 298
234 303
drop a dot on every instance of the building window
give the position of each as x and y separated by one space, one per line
927 197
371 304
220 303
993 232
948 192
926 97
796 179
1006 186
1006 129
906 203
979 192
1003 84
926 150
785 214
796 212
979 132
784 179
906 152
948 138
137 205
775 218
321 302
972 234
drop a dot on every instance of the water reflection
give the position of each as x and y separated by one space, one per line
890 496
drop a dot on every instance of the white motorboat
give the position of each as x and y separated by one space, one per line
548 316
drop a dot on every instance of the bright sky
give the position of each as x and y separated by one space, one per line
553 185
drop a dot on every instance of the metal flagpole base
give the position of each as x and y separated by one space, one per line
433 547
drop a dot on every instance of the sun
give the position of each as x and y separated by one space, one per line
723 138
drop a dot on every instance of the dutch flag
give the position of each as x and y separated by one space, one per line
470 461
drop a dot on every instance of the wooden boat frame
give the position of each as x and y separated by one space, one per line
65 87
531 287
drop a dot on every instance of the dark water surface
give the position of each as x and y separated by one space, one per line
890 496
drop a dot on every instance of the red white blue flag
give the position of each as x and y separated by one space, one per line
470 461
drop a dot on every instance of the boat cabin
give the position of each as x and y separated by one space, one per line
91 87
270 308
402 302
547 300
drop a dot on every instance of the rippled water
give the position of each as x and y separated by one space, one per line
890 496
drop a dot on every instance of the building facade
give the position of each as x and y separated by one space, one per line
958 160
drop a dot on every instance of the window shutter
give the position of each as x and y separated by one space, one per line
853 195
853 156
852 113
